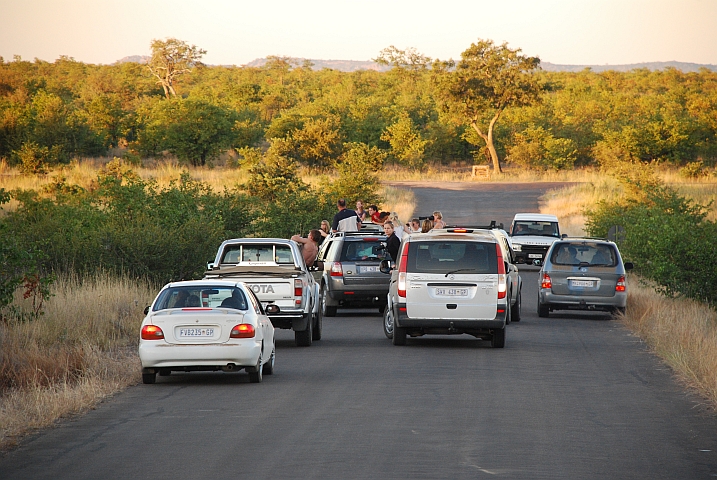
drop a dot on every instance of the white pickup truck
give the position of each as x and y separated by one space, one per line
531 236
275 270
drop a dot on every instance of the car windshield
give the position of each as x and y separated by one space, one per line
586 254
452 257
369 250
201 296
525 227
257 253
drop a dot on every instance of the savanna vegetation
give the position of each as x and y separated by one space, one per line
267 151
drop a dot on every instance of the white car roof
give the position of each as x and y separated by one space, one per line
204 282
541 217
479 235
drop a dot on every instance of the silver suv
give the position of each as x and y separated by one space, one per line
350 274
583 273
449 281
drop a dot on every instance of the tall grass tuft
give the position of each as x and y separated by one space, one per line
681 331
81 350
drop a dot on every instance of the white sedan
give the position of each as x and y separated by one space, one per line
207 325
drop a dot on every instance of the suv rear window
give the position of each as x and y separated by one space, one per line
452 256
590 254
370 250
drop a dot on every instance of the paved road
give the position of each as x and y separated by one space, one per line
574 396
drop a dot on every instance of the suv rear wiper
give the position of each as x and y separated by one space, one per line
459 270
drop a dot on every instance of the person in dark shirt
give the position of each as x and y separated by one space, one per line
392 242
346 219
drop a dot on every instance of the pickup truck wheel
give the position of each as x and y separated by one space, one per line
399 335
328 310
258 376
388 323
515 309
149 378
498 339
543 310
318 325
304 338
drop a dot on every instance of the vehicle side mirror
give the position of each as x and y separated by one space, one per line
146 310
629 266
210 266
564 235
272 309
385 266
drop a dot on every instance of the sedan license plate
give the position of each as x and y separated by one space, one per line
452 292
582 283
196 332
373 268
535 255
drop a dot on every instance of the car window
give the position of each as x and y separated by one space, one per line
256 304
234 254
204 296
372 250
324 251
448 256
525 227
590 254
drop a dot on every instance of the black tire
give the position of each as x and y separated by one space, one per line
399 335
164 372
318 325
327 310
269 366
515 309
498 338
258 375
305 337
388 322
149 378
543 310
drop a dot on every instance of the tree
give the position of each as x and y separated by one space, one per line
487 80
172 58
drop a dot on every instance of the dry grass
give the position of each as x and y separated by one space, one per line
80 351
399 200
682 332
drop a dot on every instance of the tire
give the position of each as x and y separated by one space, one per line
304 338
399 335
498 339
327 310
543 310
269 366
388 323
318 325
258 375
149 378
515 309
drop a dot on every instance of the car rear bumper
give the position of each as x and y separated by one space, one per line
583 302
159 354
442 325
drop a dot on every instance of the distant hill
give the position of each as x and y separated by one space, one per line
354 65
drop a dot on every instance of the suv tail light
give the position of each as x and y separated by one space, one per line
337 270
546 282
243 330
152 332
402 269
502 281
620 287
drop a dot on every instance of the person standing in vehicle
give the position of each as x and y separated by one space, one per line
392 242
346 219
362 214
309 246
397 227
324 230
438 220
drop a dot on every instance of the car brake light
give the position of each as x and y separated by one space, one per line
502 282
370 239
298 287
546 282
337 270
402 269
620 287
152 332
243 330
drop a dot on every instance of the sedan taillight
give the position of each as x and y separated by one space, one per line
152 332
243 330
621 285
546 282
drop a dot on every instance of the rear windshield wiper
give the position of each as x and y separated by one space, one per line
460 270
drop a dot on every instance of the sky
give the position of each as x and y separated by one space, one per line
235 32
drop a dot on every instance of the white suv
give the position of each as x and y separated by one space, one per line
448 281
532 234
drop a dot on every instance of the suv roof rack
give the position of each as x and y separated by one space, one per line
365 233
493 224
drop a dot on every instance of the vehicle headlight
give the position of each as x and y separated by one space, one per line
517 247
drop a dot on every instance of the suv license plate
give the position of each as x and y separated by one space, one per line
452 292
582 283
369 269
534 255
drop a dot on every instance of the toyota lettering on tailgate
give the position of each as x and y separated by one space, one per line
262 288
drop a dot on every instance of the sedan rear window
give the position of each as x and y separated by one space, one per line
452 256
205 296
587 254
